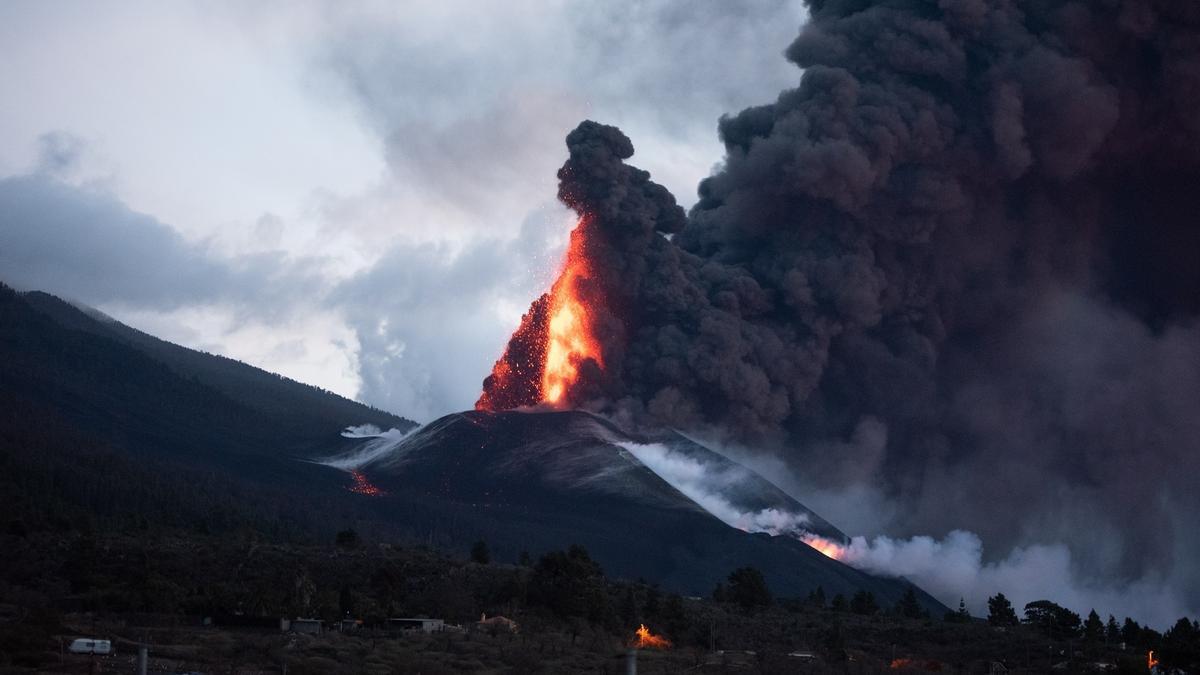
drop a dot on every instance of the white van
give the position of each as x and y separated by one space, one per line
90 646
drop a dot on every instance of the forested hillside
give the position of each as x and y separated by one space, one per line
96 431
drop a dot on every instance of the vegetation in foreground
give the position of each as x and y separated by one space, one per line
159 587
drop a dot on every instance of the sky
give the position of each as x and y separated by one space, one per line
360 197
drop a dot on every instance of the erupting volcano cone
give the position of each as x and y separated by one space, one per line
546 355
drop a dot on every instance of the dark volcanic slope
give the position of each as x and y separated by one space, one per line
101 423
300 412
536 481
97 423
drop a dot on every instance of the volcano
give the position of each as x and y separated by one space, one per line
522 481
535 481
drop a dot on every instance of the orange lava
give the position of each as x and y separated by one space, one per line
362 486
647 640
542 360
570 337
831 549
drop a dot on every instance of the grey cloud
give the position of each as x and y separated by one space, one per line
427 319
469 118
59 153
87 245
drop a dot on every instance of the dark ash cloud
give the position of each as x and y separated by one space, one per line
955 264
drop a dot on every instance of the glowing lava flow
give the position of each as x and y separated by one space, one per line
362 486
647 640
542 360
831 549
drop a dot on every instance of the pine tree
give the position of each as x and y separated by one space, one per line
1000 611
1131 632
959 616
1112 633
908 607
748 588
864 603
839 603
816 598
1093 628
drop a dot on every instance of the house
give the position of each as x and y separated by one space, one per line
246 622
307 626
417 624
497 623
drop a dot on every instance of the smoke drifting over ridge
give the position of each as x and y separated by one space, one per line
956 264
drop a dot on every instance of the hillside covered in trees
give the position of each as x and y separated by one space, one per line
212 604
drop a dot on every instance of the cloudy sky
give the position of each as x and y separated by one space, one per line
357 196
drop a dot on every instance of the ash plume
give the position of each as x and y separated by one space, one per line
956 264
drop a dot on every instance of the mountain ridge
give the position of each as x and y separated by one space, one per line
538 480
129 436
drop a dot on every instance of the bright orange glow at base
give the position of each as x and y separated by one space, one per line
1150 660
831 549
647 640
569 334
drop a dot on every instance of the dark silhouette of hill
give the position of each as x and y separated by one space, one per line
104 427
308 411
536 481
96 431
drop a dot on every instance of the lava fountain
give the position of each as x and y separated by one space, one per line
570 335
572 346
557 337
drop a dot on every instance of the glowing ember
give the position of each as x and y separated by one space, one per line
1151 662
831 549
542 361
647 640
362 486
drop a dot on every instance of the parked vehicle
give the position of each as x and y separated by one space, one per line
90 646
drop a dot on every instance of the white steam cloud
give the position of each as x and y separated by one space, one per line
707 485
953 568
380 443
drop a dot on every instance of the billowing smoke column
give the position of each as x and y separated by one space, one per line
959 263
570 346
